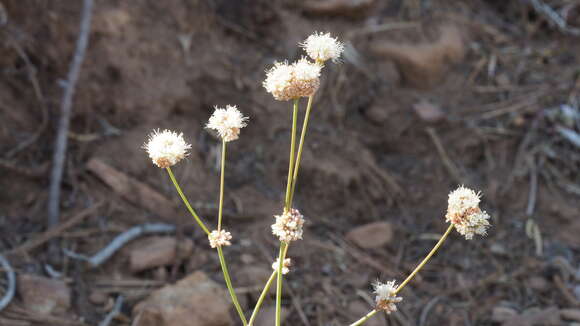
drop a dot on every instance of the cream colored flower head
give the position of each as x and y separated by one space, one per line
322 47
464 213
286 82
288 226
386 298
166 148
285 266
219 238
227 122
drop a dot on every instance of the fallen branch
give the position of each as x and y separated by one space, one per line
64 122
554 17
122 239
114 312
11 287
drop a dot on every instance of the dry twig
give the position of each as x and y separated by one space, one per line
11 287
64 122
114 312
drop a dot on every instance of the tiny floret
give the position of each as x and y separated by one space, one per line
386 298
322 47
219 238
227 122
288 226
291 81
166 148
285 266
464 213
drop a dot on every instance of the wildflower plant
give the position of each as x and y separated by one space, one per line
292 82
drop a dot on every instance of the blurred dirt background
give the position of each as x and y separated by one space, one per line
430 95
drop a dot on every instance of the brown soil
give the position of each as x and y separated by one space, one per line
496 72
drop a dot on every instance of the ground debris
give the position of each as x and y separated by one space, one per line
44 295
372 235
158 251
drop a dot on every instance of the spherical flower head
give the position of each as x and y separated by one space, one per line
464 213
166 148
286 82
322 47
386 298
288 226
219 238
285 266
306 77
227 122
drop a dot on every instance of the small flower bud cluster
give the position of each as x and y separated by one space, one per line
227 122
288 226
285 266
464 213
386 298
166 148
219 238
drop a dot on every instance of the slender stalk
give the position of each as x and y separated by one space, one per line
262 297
186 202
287 205
425 260
301 147
230 287
223 168
264 293
283 246
365 318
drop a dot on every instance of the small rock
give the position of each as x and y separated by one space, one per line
44 295
195 300
501 314
158 251
428 111
372 235
98 298
536 317
570 314
377 114
350 8
538 283
267 316
424 65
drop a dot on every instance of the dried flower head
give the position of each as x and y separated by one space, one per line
219 238
166 148
321 47
285 266
227 122
288 226
464 213
286 82
386 298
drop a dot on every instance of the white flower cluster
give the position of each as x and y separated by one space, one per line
285 266
227 122
386 298
166 148
219 238
464 213
302 78
288 226
291 81
322 47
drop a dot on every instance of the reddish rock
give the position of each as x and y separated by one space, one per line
158 251
570 314
372 235
194 301
44 295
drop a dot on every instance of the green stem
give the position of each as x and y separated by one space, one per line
365 318
221 203
425 260
301 147
230 287
262 297
191 211
292 150
283 246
